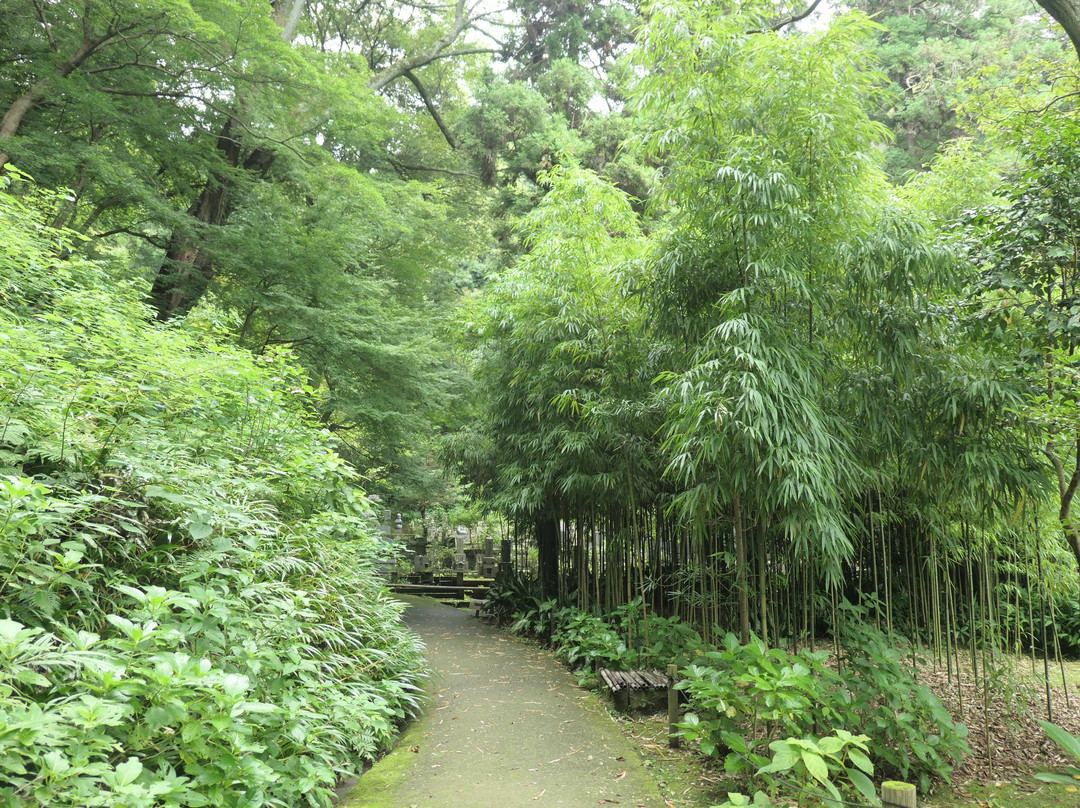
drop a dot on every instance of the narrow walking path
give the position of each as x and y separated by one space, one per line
506 726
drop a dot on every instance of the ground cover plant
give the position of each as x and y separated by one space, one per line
190 614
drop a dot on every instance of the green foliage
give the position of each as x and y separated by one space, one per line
912 734
783 239
511 596
1071 744
936 57
562 356
586 640
809 767
745 697
265 170
814 765
190 614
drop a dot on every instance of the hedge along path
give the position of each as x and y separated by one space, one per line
506 725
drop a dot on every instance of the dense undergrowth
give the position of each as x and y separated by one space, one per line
775 718
188 610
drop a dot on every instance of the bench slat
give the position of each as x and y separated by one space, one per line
634 680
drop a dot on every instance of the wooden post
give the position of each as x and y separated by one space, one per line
672 706
898 795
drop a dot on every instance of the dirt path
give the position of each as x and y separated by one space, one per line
506 726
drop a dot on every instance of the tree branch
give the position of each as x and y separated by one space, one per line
161 245
432 109
45 25
440 49
794 18
1074 481
451 171
1059 469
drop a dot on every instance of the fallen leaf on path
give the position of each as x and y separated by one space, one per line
621 774
416 749
604 800
542 793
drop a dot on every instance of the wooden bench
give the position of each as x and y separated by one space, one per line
621 683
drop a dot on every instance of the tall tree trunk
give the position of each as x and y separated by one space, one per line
547 545
188 269
741 584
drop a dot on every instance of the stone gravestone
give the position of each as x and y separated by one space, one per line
490 566
460 564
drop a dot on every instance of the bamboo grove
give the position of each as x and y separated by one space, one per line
789 387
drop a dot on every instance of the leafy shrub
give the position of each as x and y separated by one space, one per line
188 610
816 768
585 640
537 619
744 697
656 641
912 733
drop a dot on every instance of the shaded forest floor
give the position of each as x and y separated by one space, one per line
1008 745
